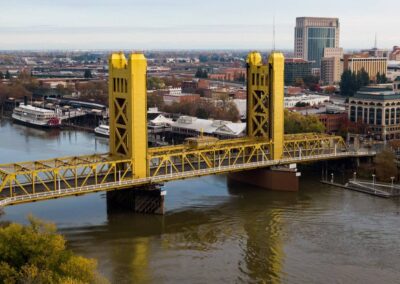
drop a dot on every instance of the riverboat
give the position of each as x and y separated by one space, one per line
36 116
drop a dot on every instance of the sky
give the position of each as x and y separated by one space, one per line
187 24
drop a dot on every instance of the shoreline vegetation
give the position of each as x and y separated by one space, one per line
36 253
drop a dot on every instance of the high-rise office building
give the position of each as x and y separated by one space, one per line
312 35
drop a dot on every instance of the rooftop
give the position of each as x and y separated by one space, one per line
296 60
377 92
209 126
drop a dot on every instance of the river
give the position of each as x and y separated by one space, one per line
217 232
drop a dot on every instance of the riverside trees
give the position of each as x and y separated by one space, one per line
37 254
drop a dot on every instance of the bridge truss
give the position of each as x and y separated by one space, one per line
53 178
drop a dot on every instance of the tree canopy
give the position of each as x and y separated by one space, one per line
201 73
205 109
88 74
385 165
381 79
37 254
155 83
298 123
351 82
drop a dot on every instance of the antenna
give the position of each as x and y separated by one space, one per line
376 41
273 33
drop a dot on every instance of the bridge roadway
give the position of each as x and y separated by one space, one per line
41 180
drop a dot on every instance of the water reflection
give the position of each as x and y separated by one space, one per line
248 224
219 233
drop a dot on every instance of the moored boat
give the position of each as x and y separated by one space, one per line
102 130
36 116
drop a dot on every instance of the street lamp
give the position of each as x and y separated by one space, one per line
354 176
331 177
392 178
373 181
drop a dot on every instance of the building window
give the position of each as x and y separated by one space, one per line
365 115
371 116
379 116
353 114
392 116
359 114
397 115
318 39
387 117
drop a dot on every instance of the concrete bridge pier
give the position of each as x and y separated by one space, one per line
275 178
146 200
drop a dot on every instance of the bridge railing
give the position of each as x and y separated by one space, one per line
53 174
125 182
42 178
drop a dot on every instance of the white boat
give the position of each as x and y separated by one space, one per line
102 130
36 116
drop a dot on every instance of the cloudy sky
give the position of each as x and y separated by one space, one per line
187 24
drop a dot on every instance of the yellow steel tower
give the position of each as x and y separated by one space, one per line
265 89
127 103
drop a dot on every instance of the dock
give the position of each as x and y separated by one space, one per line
384 190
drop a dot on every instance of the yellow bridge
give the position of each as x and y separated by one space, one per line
130 163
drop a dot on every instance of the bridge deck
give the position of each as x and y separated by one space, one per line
38 180
42 193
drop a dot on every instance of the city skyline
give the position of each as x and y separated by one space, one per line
177 24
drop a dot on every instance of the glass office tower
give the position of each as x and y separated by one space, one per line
312 35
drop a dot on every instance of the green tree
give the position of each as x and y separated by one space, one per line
311 82
201 73
362 78
37 254
88 74
155 83
202 113
1 75
93 91
301 104
381 79
348 84
8 75
298 123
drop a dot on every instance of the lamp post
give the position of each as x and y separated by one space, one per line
373 182
392 178
354 176
331 177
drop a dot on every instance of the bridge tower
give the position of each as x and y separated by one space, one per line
127 107
265 90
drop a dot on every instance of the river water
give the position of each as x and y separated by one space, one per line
217 232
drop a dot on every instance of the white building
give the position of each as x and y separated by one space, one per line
311 100
193 126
